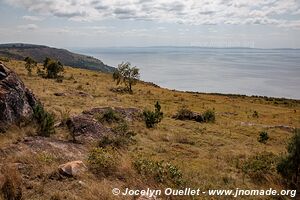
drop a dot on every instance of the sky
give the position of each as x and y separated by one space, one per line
116 23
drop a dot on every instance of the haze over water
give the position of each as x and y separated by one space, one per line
263 72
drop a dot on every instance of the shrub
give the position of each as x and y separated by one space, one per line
263 137
53 68
289 165
160 171
209 116
45 121
30 63
152 118
103 161
109 116
257 167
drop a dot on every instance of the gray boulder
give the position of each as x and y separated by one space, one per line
16 101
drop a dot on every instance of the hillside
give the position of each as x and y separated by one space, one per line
207 155
20 51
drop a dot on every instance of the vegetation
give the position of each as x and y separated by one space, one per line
53 68
127 75
103 161
11 188
289 166
260 166
152 118
29 65
160 171
263 137
209 116
44 121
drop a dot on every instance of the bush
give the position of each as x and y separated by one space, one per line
109 116
257 167
289 165
53 68
263 137
160 171
103 161
209 116
152 118
44 120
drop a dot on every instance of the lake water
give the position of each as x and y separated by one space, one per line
262 72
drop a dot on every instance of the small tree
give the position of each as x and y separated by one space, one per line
289 166
127 75
30 64
53 68
151 118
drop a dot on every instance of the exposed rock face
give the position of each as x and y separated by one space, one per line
16 101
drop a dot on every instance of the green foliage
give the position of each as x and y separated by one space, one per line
53 68
152 118
263 137
127 75
209 116
103 161
109 116
257 167
44 120
160 171
29 65
289 165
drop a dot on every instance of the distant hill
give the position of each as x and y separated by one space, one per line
19 51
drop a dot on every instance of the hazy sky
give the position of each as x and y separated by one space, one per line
98 23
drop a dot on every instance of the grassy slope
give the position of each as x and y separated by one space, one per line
208 162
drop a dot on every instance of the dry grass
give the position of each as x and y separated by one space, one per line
207 153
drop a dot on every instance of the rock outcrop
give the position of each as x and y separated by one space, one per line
86 127
16 101
72 168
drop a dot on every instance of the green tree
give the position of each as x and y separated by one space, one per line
53 68
30 64
127 75
289 166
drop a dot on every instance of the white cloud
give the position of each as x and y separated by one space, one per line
32 18
28 26
204 12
